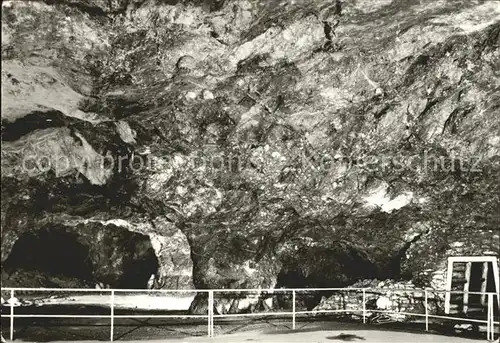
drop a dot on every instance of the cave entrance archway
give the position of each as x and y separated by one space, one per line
54 252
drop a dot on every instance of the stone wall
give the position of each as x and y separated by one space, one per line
427 258
388 295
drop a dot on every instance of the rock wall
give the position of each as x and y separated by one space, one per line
265 131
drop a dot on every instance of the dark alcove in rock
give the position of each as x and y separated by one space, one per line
138 269
330 266
81 256
50 252
337 265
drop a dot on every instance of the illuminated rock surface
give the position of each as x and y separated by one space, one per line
262 143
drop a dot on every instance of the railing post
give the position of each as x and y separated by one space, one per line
364 306
112 315
491 322
293 309
11 315
449 277
210 313
426 311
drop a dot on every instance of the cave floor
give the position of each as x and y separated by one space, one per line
271 331
318 336
327 336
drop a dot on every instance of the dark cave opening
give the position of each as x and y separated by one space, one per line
36 120
136 272
51 252
338 265
56 257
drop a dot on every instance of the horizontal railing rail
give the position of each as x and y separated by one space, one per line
210 315
237 290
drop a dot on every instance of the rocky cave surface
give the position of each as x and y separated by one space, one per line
247 143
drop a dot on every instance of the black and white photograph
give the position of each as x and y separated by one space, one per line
235 171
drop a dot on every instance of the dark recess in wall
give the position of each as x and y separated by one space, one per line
36 120
125 260
53 252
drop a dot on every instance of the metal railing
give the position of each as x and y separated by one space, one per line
210 316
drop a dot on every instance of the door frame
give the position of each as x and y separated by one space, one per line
469 260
